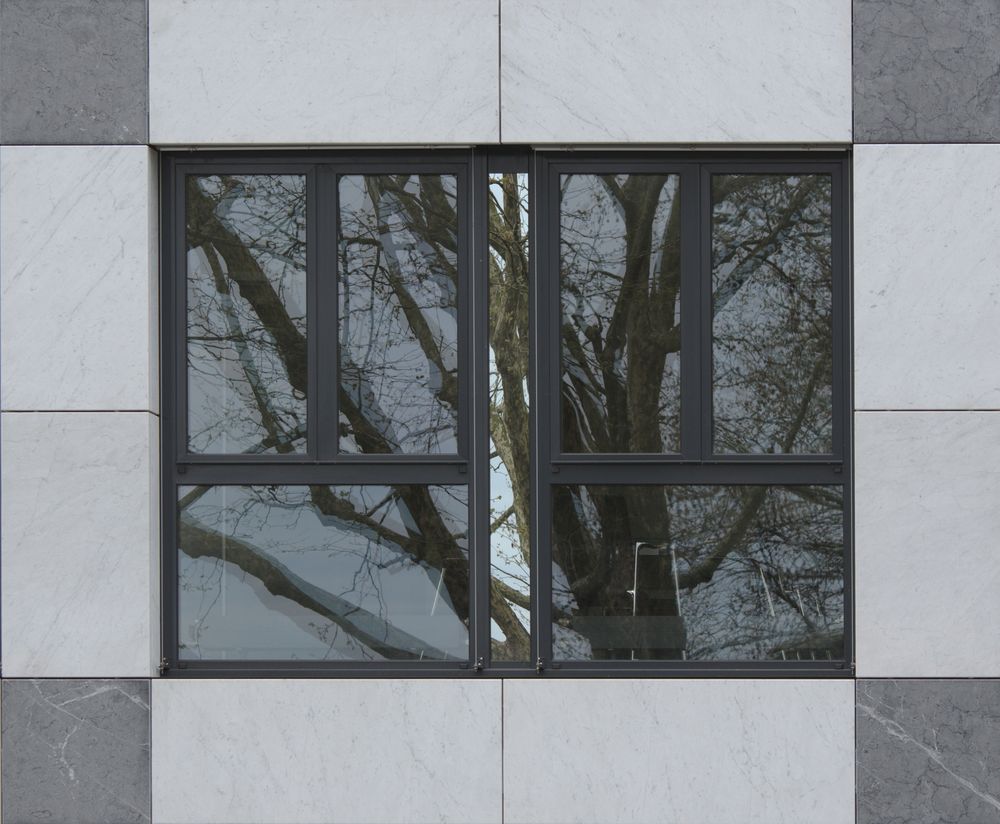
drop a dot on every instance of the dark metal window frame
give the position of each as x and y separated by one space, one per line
321 464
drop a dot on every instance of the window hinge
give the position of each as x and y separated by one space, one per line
479 664
539 666
164 666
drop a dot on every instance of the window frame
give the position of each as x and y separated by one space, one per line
320 464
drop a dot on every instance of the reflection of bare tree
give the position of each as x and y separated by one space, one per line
246 313
739 553
426 234
754 572
620 285
399 312
772 325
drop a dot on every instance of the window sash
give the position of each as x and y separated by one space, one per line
322 464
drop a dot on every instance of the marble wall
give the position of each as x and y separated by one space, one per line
88 88
73 71
75 751
928 751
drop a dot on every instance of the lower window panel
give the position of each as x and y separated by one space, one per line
351 573
698 573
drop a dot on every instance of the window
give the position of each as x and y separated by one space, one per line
506 412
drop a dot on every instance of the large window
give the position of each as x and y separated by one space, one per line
505 412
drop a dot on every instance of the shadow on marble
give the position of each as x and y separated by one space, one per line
928 751
76 751
926 71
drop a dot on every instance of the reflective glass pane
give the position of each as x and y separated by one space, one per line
246 313
510 461
698 573
356 573
619 258
398 288
772 297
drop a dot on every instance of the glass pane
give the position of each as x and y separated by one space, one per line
510 464
772 290
620 277
355 573
698 573
246 313
398 285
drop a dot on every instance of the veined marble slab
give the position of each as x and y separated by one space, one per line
928 750
679 751
277 751
711 71
927 277
76 751
79 544
323 71
927 544
77 227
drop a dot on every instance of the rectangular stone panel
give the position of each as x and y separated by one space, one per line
927 277
928 750
76 752
323 71
79 544
325 751
78 233
73 71
926 71
678 750
927 565
675 71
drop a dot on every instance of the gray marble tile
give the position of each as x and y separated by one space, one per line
926 71
928 751
76 751
73 71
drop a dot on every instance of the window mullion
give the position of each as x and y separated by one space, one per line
692 383
323 353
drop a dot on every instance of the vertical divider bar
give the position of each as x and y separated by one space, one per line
546 349
467 254
707 412
476 344
837 273
170 345
177 281
843 395
534 417
313 315
691 400
324 322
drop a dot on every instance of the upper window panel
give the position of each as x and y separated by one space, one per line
246 313
399 313
619 260
772 305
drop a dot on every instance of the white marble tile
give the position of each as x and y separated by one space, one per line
329 751
323 71
77 490
78 273
927 544
614 71
679 751
927 276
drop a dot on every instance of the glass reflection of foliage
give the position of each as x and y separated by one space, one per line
772 281
246 313
510 459
362 573
720 573
398 282
620 290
